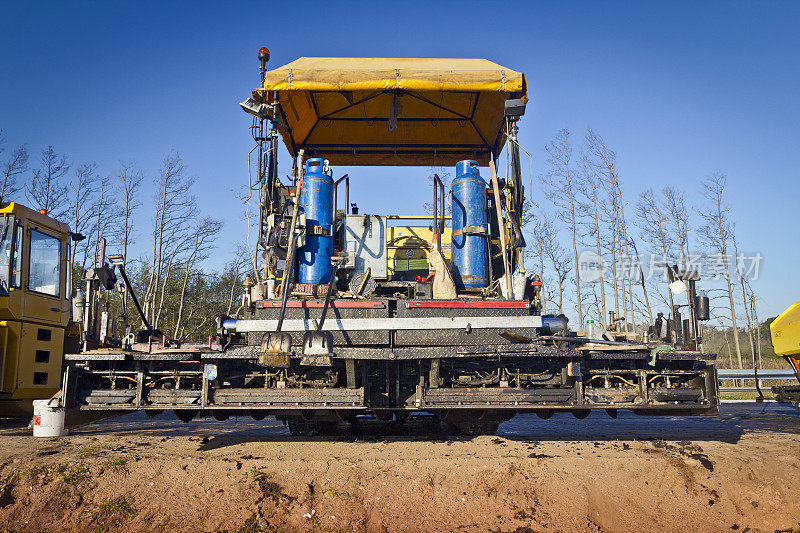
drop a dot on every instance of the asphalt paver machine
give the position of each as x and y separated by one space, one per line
350 314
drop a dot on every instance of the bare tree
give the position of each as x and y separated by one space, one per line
561 187
728 346
642 282
618 237
203 235
602 160
82 189
105 215
128 182
590 187
747 295
174 208
628 265
677 216
537 251
10 169
237 267
594 303
717 233
446 176
652 225
757 325
45 189
558 257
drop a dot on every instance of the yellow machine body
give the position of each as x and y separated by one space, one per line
34 306
785 332
408 245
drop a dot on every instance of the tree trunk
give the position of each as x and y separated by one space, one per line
189 266
234 282
622 258
750 335
733 319
604 316
181 301
575 253
644 285
628 263
730 289
614 260
758 327
160 307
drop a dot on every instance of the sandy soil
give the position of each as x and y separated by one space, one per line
738 472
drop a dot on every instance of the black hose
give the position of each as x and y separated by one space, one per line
328 296
758 387
287 272
516 179
133 297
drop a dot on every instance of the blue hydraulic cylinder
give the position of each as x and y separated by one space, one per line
470 247
316 201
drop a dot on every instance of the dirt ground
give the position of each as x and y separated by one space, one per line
737 472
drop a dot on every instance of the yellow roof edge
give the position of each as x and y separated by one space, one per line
312 91
34 216
420 74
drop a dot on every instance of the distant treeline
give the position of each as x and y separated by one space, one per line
179 294
600 251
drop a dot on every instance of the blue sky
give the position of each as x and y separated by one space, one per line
677 89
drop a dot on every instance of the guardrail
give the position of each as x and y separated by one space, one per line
764 374
749 373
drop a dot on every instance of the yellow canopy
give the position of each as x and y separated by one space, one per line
384 111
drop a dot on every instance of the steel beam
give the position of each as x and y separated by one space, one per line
387 324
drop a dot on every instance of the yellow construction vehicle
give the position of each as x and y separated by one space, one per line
34 306
785 332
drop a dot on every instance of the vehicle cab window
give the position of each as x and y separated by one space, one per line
6 233
45 264
16 258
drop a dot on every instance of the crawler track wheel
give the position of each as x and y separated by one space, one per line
303 428
186 415
473 422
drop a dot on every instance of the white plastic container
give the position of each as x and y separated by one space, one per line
48 418
517 286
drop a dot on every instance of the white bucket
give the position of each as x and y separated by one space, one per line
517 287
48 418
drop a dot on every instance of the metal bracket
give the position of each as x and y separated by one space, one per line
318 230
316 360
470 230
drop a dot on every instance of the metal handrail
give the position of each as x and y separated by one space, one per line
336 183
438 211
